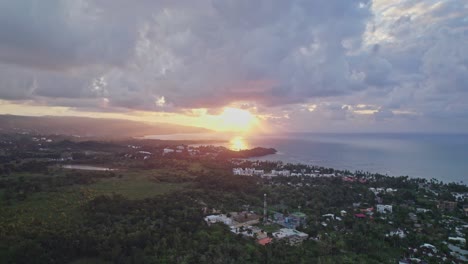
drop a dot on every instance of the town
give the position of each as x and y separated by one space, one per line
179 199
399 212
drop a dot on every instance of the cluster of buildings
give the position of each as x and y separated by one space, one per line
293 236
245 223
384 208
354 179
291 221
242 223
377 191
178 149
137 153
248 172
276 173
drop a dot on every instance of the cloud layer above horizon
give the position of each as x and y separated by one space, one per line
339 63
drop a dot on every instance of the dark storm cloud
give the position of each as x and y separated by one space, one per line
407 56
203 55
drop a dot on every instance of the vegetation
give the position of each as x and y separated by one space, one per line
151 208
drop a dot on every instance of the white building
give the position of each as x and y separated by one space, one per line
459 240
383 209
422 210
167 151
400 233
247 171
211 219
285 173
287 232
292 235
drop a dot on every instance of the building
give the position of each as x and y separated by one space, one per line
167 151
292 221
360 215
244 218
383 209
399 233
447 206
247 172
458 240
422 210
265 241
285 173
293 236
211 219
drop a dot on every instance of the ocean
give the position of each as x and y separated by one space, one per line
443 157
440 156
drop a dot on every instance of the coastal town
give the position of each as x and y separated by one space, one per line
430 208
182 192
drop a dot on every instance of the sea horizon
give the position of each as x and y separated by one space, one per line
418 155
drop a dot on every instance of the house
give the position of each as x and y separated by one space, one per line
400 233
167 151
292 221
360 216
285 173
265 241
422 210
296 219
245 218
383 209
465 209
369 211
447 206
349 179
293 236
247 171
211 219
329 216
459 240
428 247
278 217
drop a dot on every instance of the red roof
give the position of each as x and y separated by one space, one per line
264 241
360 215
348 179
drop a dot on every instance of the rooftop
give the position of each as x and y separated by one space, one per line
264 241
298 214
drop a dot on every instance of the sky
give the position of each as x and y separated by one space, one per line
269 66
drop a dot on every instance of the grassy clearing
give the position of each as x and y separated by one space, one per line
64 207
44 208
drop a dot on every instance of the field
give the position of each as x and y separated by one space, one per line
63 206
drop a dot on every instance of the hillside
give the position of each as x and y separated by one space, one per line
89 127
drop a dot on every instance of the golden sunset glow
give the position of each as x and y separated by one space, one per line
231 119
238 143
234 119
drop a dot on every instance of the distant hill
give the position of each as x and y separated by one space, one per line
89 127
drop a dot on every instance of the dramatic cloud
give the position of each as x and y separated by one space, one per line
346 61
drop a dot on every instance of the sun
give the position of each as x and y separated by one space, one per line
234 119
238 143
